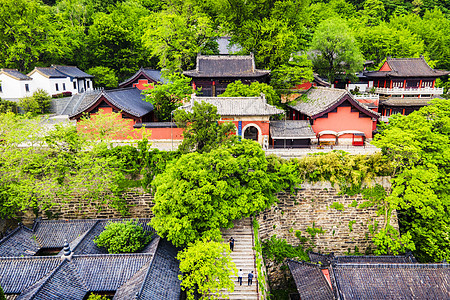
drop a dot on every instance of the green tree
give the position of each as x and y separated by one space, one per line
169 96
7 106
27 33
177 34
296 71
2 294
418 145
201 193
104 77
202 131
123 237
238 89
335 52
207 269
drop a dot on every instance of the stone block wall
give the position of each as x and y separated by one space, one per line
313 207
139 206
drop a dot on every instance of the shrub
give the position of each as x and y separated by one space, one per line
7 106
39 103
123 237
97 297
278 250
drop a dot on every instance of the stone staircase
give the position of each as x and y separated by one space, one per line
244 258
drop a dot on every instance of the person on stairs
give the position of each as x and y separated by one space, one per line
231 241
240 275
250 278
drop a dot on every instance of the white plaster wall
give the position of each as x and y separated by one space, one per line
48 84
13 88
40 82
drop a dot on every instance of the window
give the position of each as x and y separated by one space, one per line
87 82
64 86
27 88
74 85
1 88
57 88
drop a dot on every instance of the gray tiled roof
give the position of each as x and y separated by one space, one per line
151 274
19 242
72 71
51 72
326 259
310 281
236 106
14 73
406 102
393 281
320 99
226 66
407 67
129 100
291 129
152 74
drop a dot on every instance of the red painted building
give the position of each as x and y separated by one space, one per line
335 116
143 79
250 115
213 73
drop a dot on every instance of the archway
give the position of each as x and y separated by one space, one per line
251 133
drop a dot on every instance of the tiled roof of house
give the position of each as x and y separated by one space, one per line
14 73
72 71
310 281
407 67
49 72
327 259
151 274
129 100
406 102
226 66
392 281
236 106
151 74
320 100
20 241
291 129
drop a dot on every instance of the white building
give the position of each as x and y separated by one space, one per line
14 85
58 79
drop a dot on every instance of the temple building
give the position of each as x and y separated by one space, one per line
213 73
335 116
143 79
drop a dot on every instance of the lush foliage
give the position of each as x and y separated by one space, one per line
335 50
97 297
38 103
207 269
2 294
295 71
418 145
201 193
167 97
202 131
238 89
7 106
278 250
123 237
104 77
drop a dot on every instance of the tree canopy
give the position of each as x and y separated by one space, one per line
201 193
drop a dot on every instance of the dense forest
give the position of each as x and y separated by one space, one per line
112 39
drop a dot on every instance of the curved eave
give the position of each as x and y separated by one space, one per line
136 76
355 104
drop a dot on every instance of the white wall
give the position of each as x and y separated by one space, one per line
13 88
49 84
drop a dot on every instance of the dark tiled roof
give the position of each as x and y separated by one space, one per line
321 100
152 274
15 74
291 129
21 241
50 72
393 281
129 100
80 102
72 71
226 66
406 102
236 106
310 281
367 259
151 74
318 258
407 67
18 273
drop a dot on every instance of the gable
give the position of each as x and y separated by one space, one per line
385 67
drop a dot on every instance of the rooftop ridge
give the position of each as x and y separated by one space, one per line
138 295
120 255
85 235
303 262
394 265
